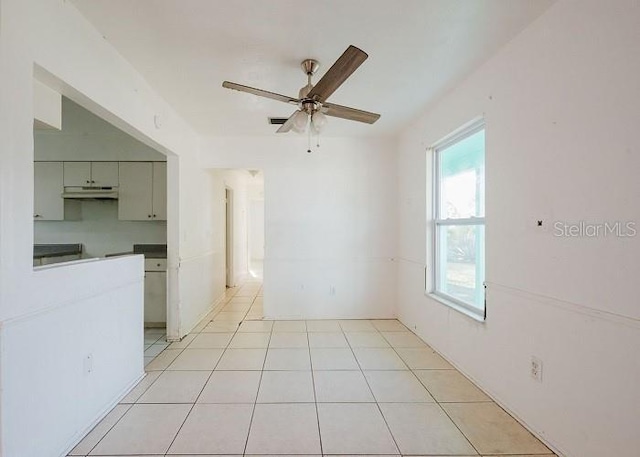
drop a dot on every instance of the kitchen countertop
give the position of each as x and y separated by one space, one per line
151 251
56 250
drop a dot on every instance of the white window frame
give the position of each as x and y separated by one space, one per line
437 222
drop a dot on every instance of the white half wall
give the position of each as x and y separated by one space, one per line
330 229
561 104
51 393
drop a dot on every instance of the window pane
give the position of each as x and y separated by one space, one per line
462 178
461 263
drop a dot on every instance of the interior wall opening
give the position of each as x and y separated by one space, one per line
99 193
242 211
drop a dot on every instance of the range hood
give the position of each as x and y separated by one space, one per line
95 193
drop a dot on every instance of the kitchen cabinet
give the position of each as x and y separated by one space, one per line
91 174
142 191
48 204
159 191
104 174
155 292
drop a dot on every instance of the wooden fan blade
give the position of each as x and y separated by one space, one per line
260 92
346 64
352 114
288 125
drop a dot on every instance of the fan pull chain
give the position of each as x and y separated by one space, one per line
309 141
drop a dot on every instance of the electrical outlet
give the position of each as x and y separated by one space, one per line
88 363
536 368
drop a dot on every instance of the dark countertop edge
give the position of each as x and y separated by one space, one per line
118 254
154 255
56 250
151 251
147 255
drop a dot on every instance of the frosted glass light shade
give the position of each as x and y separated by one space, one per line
300 121
318 121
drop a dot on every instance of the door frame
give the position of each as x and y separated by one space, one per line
228 239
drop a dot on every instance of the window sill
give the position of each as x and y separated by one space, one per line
461 309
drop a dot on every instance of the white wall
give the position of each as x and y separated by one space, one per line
47 107
202 281
51 39
561 104
85 136
330 229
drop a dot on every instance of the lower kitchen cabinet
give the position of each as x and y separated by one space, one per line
155 292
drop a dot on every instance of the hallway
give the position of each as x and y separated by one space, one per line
238 385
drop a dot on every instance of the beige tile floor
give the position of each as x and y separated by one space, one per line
238 385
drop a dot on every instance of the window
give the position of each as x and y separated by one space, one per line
458 241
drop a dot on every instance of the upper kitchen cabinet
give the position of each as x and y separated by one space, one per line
91 174
160 191
48 202
142 191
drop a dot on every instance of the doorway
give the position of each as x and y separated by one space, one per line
228 200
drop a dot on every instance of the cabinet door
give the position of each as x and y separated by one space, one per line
155 297
77 174
160 191
48 202
135 191
104 174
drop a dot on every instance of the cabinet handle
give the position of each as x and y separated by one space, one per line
149 215
88 182
154 215
37 215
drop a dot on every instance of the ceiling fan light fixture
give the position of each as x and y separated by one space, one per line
318 121
300 121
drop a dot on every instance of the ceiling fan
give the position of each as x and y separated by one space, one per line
312 105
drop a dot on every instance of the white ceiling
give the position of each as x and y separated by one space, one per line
417 50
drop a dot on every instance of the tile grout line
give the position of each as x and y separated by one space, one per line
255 403
313 386
372 394
201 390
107 432
425 387
208 378
456 426
411 369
